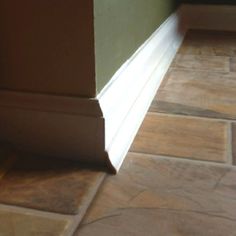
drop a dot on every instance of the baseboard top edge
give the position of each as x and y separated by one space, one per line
50 103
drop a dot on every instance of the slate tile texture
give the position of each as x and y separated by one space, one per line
184 137
159 196
52 185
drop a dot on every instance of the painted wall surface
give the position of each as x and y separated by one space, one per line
47 46
121 26
231 2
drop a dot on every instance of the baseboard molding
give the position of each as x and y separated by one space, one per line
102 129
98 130
127 97
61 135
48 125
50 103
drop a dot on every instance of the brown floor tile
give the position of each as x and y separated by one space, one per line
211 38
211 43
198 93
27 224
207 50
199 62
52 185
159 196
182 137
234 143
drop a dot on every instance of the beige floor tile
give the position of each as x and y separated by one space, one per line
51 185
199 62
160 196
211 43
198 93
207 50
28 224
182 137
211 38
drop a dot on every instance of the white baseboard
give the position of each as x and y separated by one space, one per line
102 129
62 135
127 97
92 130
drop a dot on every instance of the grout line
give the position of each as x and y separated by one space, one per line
233 143
72 222
229 151
182 159
191 116
75 219
229 154
35 212
79 218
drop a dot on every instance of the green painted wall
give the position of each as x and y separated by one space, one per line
48 46
231 2
121 26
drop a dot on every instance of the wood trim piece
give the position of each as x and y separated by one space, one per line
54 134
50 103
126 98
102 129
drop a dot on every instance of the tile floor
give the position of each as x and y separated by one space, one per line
44 197
178 178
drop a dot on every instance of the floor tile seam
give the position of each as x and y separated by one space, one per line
200 55
194 70
186 50
73 220
200 69
79 217
229 143
183 159
178 157
33 211
191 116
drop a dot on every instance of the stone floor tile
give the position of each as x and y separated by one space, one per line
192 138
197 93
215 39
51 185
192 49
209 43
161 196
199 62
28 224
